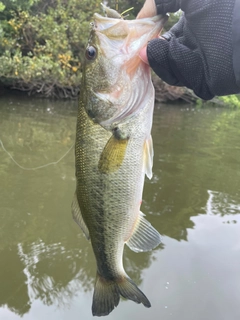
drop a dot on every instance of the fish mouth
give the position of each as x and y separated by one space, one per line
115 28
121 41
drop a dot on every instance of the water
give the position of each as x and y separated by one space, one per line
47 268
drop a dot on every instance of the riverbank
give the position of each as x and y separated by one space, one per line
164 93
42 45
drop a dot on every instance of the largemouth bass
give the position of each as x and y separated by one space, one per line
114 152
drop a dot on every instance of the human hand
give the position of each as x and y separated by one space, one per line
198 51
148 10
153 7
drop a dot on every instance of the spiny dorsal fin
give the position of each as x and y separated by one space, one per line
144 237
77 216
113 155
148 157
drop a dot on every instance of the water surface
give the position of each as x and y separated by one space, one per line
47 268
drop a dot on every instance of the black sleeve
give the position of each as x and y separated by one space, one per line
165 6
236 41
198 52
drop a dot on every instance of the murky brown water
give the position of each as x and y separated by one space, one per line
47 268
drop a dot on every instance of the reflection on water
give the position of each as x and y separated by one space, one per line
220 203
46 285
47 267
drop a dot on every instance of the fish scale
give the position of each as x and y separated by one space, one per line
113 153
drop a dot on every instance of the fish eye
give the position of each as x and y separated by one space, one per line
91 53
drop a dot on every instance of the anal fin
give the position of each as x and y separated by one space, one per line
77 216
144 237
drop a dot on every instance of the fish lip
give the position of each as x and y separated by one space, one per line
98 18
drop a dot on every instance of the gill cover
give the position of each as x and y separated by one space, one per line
112 74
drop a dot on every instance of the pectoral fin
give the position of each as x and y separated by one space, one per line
113 155
148 157
144 237
77 216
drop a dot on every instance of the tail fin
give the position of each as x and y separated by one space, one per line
107 294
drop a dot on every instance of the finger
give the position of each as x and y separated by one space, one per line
148 10
143 55
178 65
158 55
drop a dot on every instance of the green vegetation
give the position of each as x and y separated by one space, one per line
232 101
41 44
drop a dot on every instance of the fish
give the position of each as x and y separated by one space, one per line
114 152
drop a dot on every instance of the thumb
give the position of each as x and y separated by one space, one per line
148 10
143 55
